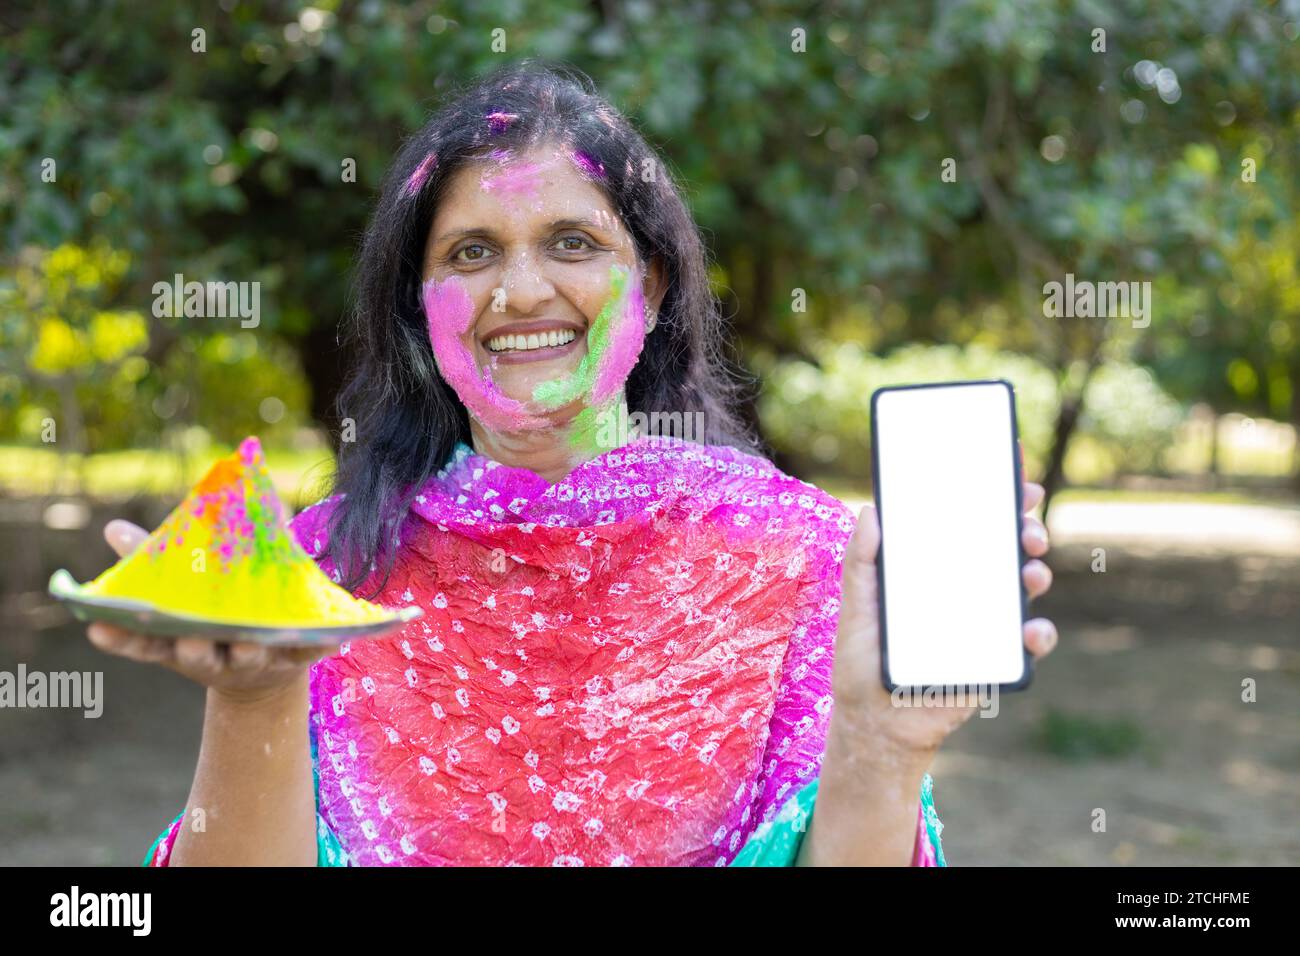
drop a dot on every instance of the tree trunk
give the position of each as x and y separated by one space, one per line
1066 421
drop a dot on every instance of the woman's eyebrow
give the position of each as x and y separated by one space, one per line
581 222
461 233
553 224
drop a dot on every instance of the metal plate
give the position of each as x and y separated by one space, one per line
145 618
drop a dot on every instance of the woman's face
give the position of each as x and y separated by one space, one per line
532 289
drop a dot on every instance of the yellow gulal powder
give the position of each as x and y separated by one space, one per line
225 554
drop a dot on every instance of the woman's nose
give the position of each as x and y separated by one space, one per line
525 282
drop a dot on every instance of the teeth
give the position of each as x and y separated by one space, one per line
520 343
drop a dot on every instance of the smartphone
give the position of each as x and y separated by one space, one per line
946 462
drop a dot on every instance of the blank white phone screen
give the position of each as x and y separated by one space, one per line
949 535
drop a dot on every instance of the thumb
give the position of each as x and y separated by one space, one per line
860 561
123 536
857 641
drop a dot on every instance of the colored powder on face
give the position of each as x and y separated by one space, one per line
595 430
560 392
449 311
421 174
626 339
590 167
582 431
499 121
518 179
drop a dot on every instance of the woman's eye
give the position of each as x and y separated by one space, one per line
578 248
472 258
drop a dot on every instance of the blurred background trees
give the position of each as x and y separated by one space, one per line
1118 141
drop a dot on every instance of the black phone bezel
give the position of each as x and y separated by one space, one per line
1028 672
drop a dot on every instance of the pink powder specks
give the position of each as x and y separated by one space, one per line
514 180
499 121
450 313
590 167
421 174
625 342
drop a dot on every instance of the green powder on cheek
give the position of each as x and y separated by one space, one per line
582 430
560 392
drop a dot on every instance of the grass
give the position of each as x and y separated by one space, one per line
1079 737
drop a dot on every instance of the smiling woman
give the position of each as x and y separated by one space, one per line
649 651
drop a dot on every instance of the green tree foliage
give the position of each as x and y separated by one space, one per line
819 411
65 352
876 174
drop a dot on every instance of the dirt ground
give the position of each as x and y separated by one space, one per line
1139 713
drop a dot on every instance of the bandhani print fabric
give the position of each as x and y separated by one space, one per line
631 666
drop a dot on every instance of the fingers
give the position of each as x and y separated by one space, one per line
237 667
1037 577
106 637
1033 536
1034 494
124 643
1040 636
198 658
123 536
245 656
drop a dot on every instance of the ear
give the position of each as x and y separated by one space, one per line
656 283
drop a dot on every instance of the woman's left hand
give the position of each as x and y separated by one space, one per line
864 715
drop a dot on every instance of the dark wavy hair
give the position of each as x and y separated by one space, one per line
407 419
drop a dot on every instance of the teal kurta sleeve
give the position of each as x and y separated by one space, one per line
777 842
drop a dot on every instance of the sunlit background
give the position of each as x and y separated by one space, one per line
886 188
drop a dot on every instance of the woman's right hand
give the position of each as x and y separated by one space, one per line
238 671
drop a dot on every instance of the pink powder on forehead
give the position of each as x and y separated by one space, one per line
515 180
449 311
421 174
625 342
